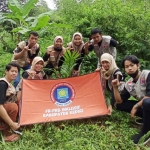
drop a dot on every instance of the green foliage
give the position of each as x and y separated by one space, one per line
19 17
40 8
17 22
126 21
5 59
89 63
69 63
40 21
6 42
66 69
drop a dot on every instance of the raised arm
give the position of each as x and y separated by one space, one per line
115 84
19 53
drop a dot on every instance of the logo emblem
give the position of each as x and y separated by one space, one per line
142 81
104 46
62 94
130 86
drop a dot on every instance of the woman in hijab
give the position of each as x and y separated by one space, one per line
109 71
36 72
77 44
54 55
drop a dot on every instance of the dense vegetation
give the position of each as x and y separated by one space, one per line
127 21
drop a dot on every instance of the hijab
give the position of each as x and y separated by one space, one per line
36 60
106 74
77 47
55 39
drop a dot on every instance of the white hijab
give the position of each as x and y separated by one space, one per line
77 47
106 74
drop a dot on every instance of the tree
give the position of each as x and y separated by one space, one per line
18 22
40 7
19 19
4 5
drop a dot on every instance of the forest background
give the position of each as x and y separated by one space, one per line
127 21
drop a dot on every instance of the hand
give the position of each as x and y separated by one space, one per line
115 83
86 45
98 69
14 126
133 111
37 76
26 48
110 110
51 53
70 48
32 74
75 73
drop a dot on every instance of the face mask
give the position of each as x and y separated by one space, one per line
134 74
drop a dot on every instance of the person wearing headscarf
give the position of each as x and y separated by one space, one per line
77 44
109 71
36 72
53 57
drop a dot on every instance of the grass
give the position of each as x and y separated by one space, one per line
100 133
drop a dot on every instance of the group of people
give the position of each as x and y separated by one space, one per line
26 57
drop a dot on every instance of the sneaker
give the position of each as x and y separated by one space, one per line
139 121
136 138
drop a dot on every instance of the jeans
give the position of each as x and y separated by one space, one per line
17 79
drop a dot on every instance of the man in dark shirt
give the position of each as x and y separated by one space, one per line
101 44
25 52
137 86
